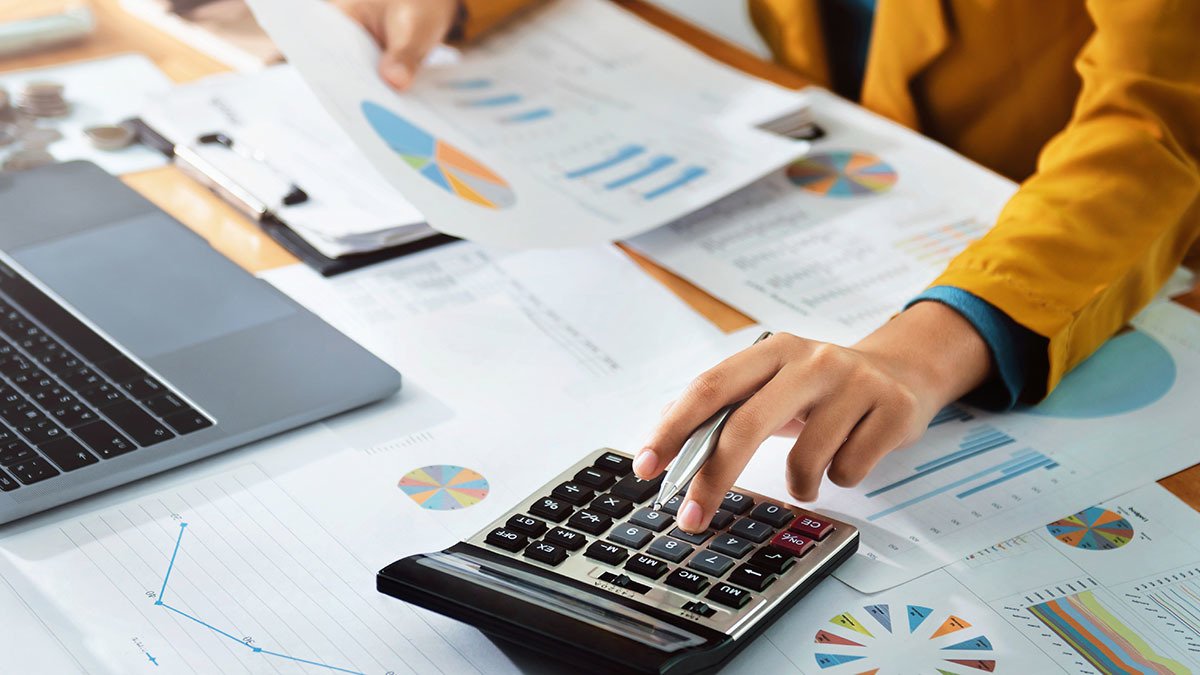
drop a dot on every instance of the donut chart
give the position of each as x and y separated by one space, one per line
439 162
1093 529
843 173
865 640
443 487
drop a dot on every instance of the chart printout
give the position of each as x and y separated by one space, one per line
533 142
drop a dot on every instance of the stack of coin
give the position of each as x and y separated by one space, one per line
43 98
6 110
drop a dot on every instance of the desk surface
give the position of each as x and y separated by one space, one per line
241 240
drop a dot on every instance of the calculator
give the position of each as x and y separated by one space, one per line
586 571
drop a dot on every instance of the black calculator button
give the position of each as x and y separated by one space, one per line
772 559
731 545
611 505
651 519
687 580
635 489
7 484
646 566
711 563
546 552
691 538
751 577
672 505
721 519
700 608
774 515
751 529
590 522
526 525
568 539
736 502
671 549
812 527
574 493
630 535
730 596
606 552
509 540
611 461
595 478
551 509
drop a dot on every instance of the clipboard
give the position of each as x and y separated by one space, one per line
230 190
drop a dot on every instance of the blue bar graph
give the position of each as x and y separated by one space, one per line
978 441
657 164
949 414
529 116
688 175
493 101
624 154
1009 474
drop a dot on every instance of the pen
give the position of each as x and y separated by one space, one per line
696 450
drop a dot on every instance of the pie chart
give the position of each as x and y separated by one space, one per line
1093 529
874 638
443 487
439 162
843 173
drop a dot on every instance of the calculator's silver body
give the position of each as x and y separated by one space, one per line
729 621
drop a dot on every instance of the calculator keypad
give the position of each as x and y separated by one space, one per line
601 514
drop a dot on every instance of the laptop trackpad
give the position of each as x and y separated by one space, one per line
152 285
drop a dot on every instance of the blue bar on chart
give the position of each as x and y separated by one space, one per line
977 441
657 164
622 155
1019 463
529 116
951 413
493 101
688 175
466 84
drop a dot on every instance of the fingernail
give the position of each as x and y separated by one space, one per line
646 463
690 516
396 74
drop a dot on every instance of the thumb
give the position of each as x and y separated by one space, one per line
411 30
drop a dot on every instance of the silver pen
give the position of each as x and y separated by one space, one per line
696 450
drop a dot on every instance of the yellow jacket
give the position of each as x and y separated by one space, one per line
1094 105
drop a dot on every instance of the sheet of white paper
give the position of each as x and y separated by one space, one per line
28 646
835 245
516 153
1115 423
103 91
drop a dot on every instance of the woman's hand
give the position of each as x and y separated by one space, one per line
855 404
406 30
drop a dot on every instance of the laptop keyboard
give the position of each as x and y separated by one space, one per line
68 397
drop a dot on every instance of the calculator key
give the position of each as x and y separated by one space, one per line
731 545
613 506
814 528
730 596
509 540
671 549
711 563
595 478
775 515
721 519
546 552
574 493
698 607
672 505
646 566
630 535
795 544
33 471
751 529
590 522
651 519
606 552
751 577
736 502
691 538
635 489
687 580
551 509
774 560
526 525
611 461
568 539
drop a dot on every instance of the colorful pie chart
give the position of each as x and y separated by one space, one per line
439 162
442 487
874 638
844 173
1093 529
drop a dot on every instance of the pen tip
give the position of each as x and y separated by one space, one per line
657 506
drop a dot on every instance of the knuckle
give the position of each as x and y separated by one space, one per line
827 357
844 476
707 386
744 424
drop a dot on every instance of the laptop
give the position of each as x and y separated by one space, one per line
128 346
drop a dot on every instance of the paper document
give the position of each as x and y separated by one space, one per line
543 145
837 243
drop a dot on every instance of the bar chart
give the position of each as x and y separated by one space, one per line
634 166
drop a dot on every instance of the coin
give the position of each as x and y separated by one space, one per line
24 160
43 98
110 136
38 137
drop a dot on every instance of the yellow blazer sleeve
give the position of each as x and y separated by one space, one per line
1115 203
480 16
